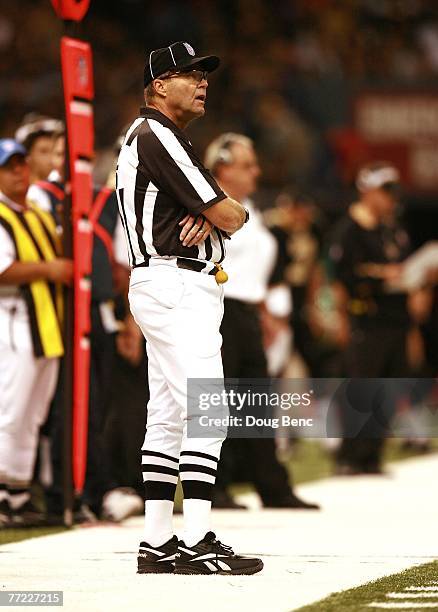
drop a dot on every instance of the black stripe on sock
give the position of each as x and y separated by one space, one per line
192 467
197 489
160 469
202 455
159 490
156 454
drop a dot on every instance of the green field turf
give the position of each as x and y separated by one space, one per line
358 599
16 535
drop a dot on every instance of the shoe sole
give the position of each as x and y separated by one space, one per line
192 570
157 568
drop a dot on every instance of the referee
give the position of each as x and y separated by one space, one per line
176 218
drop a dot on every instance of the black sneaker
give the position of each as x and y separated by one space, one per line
159 560
28 515
223 500
209 556
5 514
291 501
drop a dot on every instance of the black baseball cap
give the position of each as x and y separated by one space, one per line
178 56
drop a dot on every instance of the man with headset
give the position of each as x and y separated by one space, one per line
252 255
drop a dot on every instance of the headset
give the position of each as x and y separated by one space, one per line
376 176
218 152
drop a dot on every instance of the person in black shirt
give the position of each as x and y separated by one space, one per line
365 254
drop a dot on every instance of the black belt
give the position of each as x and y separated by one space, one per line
249 307
185 264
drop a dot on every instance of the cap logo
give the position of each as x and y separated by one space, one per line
189 48
9 146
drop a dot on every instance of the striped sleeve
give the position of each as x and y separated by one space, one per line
176 171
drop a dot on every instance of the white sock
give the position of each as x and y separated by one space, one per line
16 500
158 526
196 520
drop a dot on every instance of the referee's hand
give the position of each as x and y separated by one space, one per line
194 230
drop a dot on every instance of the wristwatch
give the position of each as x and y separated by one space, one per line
246 214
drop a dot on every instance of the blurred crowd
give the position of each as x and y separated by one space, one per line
289 69
328 296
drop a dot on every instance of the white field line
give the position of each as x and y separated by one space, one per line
422 588
307 555
402 606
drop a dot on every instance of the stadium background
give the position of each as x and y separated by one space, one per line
291 75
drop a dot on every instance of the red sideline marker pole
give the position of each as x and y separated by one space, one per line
78 95
77 74
71 10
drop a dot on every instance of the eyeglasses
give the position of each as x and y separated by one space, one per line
196 75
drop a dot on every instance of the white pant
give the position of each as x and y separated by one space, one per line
179 312
27 386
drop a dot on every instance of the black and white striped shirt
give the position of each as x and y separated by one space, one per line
159 180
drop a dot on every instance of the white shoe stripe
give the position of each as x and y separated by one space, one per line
186 550
210 566
209 556
224 566
169 558
153 550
